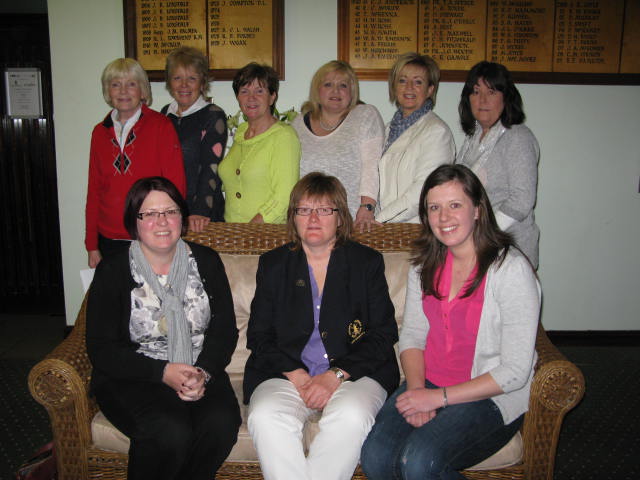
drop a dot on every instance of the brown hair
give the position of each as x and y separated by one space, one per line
139 191
266 76
318 185
491 244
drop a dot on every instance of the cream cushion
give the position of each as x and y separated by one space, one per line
241 271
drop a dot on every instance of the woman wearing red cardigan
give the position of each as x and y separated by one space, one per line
132 142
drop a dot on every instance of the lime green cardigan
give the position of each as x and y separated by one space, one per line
258 174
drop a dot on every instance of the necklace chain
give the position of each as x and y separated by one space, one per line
329 128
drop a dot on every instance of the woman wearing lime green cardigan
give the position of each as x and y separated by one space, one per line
263 163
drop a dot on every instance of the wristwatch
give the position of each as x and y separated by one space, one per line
339 373
368 206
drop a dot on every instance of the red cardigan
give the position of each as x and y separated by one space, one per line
152 149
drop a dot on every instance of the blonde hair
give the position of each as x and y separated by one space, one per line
126 67
423 61
188 57
312 105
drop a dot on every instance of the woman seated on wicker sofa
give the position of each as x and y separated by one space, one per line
467 345
160 331
321 335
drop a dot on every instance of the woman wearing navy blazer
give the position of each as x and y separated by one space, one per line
321 335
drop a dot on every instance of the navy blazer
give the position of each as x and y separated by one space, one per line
357 323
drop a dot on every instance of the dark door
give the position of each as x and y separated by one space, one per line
30 259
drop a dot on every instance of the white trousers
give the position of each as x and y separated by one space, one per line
276 419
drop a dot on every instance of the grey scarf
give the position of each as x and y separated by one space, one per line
171 299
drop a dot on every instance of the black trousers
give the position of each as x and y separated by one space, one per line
172 439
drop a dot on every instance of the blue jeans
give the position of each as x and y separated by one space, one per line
458 437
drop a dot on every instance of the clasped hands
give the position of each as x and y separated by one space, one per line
315 391
418 405
187 381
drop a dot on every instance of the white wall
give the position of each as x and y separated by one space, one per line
588 201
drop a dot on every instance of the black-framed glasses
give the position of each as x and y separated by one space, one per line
322 211
171 213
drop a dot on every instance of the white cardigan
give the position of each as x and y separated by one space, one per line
505 345
407 163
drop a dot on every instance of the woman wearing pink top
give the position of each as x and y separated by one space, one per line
467 345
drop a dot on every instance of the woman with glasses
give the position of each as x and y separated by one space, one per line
160 331
131 142
321 335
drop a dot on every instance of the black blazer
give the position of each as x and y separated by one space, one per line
112 353
357 323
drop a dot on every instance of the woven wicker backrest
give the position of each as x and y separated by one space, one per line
253 239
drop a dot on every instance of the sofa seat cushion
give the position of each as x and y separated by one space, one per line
107 437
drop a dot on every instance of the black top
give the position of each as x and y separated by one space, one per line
203 138
111 351
357 323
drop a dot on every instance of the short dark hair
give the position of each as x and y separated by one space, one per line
496 76
490 242
317 185
266 76
137 194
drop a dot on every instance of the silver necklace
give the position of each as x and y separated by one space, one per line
329 128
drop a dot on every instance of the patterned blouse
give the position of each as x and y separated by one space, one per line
149 328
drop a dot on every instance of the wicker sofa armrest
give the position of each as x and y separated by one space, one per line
60 383
558 386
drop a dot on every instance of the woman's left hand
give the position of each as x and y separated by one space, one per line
420 400
364 219
320 389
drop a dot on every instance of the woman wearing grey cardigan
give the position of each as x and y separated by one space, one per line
467 344
501 151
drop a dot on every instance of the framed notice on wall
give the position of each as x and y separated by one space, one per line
23 92
231 33
540 41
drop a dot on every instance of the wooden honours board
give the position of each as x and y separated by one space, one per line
231 33
546 41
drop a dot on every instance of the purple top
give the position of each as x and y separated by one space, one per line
314 355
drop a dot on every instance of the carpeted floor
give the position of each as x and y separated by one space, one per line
599 439
24 424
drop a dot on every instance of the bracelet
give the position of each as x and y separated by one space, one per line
445 403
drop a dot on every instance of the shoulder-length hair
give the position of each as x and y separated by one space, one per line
496 76
139 191
422 61
312 105
491 243
316 185
126 67
266 76
188 57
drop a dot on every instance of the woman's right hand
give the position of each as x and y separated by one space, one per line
176 374
94 258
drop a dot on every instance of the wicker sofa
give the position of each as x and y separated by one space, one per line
60 381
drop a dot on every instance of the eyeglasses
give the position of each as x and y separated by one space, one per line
322 211
172 213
